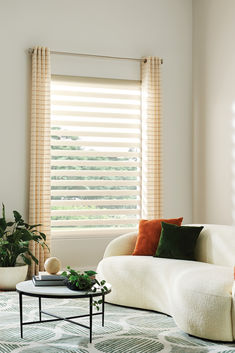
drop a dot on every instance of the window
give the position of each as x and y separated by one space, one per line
95 156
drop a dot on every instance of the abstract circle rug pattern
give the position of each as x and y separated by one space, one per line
126 330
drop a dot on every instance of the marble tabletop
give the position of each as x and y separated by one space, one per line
28 287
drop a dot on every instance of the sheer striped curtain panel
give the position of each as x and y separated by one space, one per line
151 139
39 201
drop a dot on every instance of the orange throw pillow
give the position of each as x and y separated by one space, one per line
149 235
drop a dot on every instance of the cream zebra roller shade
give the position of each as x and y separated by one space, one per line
151 138
96 157
40 157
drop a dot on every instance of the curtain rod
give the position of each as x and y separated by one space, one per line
30 51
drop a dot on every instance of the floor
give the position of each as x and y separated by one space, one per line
126 330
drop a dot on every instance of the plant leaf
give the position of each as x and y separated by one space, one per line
10 224
90 273
34 226
33 257
43 235
3 224
3 211
17 216
26 259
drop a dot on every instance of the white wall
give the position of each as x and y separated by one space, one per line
121 28
213 99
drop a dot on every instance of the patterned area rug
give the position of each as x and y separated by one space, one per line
126 330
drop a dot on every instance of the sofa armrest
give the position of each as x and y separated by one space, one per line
122 245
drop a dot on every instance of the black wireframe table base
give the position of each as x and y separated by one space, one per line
59 318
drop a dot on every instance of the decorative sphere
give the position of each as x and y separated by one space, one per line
52 265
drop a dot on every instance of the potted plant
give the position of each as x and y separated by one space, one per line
15 255
84 281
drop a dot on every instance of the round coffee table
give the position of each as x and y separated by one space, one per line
58 292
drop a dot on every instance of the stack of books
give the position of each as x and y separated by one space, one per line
48 280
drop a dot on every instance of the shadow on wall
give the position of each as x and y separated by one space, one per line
233 168
233 165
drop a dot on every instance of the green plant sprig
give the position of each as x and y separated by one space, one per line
86 281
103 288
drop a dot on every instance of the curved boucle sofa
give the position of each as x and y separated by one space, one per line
197 294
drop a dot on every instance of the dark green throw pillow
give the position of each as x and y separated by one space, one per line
177 242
